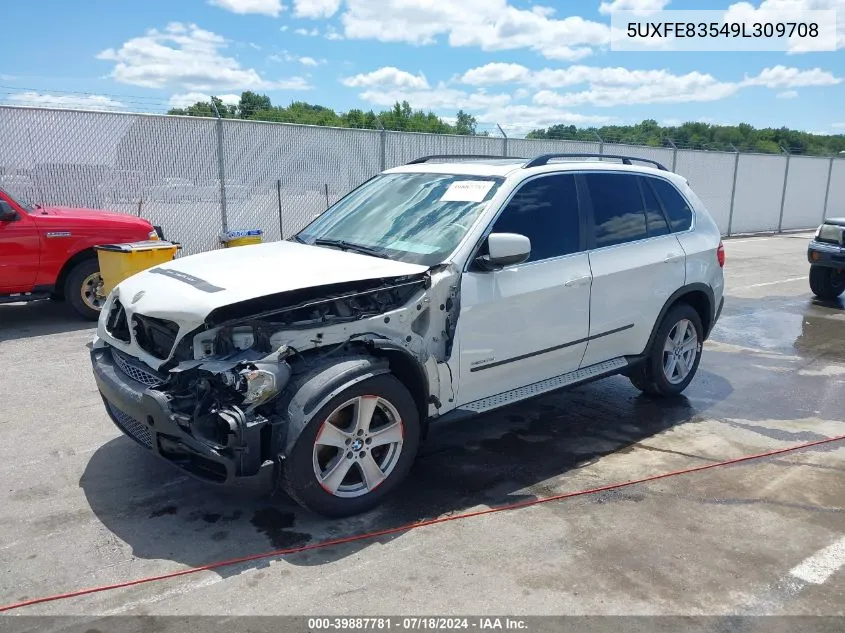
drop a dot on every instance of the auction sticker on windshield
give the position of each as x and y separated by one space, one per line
467 191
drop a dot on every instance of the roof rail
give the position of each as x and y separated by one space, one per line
626 160
425 159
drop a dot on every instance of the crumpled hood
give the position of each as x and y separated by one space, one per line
187 289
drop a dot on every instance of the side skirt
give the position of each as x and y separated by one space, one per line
585 374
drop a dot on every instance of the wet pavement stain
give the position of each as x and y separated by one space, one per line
165 511
274 524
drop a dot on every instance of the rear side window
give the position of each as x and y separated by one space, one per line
617 208
676 207
654 217
545 210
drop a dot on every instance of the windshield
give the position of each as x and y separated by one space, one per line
23 204
415 218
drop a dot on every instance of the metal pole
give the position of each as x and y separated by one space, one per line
827 189
279 198
674 152
382 147
783 193
601 141
221 168
504 140
733 189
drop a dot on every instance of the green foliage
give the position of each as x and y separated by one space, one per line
401 116
696 135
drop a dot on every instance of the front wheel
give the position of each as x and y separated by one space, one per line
674 356
83 289
827 283
355 450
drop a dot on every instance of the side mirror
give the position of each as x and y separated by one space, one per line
505 249
7 213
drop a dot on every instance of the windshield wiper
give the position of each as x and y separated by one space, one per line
349 246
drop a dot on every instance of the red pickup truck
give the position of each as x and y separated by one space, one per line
48 252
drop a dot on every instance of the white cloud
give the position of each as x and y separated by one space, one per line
790 10
387 77
264 7
496 73
289 57
491 25
611 86
837 126
519 119
284 28
7 77
187 57
787 94
520 93
308 33
332 34
315 8
672 89
641 7
190 98
438 98
77 102
783 77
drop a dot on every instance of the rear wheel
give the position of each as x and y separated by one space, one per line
827 283
355 450
673 359
83 289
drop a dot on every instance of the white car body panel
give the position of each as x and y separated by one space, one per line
512 318
631 284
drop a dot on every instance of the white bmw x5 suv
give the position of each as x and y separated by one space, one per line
447 287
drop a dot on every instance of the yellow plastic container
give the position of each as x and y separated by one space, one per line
241 238
119 261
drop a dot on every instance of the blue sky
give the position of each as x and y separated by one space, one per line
517 63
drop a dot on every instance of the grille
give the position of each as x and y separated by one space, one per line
131 427
144 376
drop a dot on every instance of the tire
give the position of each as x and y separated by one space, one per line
348 494
78 289
827 283
658 375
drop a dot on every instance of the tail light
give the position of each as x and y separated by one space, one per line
720 254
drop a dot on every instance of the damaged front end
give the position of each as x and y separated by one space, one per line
209 418
216 407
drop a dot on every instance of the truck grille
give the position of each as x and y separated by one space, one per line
131 427
135 371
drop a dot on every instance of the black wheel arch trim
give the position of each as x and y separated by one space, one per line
315 388
680 292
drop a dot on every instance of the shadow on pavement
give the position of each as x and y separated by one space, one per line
492 460
38 318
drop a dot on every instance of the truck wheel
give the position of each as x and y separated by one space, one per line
82 289
673 359
355 450
827 283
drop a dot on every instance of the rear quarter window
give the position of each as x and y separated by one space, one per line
677 208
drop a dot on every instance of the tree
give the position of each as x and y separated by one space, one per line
465 123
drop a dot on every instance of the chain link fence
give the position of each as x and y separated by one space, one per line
197 178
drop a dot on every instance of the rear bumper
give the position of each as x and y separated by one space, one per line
144 415
827 255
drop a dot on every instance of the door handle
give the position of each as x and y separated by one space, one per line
673 257
577 281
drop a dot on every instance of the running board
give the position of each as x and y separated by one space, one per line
544 386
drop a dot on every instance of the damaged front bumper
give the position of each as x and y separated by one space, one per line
144 414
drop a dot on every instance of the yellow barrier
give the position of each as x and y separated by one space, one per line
241 238
120 261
